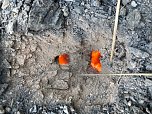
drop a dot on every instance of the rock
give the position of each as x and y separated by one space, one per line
18 112
149 47
60 84
8 109
20 59
148 82
133 4
27 8
38 96
133 19
62 109
14 1
52 113
132 65
3 87
2 111
148 111
141 102
6 64
150 91
10 27
125 2
8 43
78 10
65 109
123 11
64 76
15 10
149 67
5 4
70 0
65 11
120 51
95 3
114 2
33 109
52 73
138 53
33 47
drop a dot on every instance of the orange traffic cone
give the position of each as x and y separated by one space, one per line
63 59
95 60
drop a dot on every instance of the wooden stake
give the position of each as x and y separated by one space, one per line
115 30
129 74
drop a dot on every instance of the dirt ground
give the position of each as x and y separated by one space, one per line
33 33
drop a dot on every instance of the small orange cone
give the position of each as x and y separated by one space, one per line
63 59
95 60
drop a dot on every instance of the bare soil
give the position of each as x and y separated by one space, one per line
34 32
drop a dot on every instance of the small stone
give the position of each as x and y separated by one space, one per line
15 10
132 99
65 109
114 2
20 59
5 4
38 96
141 102
8 109
150 91
148 82
125 2
10 27
6 64
129 103
133 19
9 43
148 111
3 87
78 10
14 1
95 3
65 11
132 65
18 112
52 73
33 47
2 111
149 47
123 11
138 53
133 4
64 76
60 84
70 0
27 8
33 109
149 67
127 96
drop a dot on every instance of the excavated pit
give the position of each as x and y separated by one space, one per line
33 33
